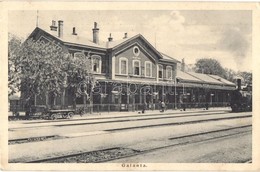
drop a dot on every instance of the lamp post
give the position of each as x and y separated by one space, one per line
175 92
183 88
211 95
127 91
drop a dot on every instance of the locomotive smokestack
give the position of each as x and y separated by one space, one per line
239 84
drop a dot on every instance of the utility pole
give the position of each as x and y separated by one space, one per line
175 92
155 40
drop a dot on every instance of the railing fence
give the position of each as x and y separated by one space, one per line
107 108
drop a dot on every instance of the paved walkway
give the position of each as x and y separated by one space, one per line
148 112
127 113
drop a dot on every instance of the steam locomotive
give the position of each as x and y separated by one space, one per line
241 98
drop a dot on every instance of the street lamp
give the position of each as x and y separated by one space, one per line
183 88
175 93
211 95
127 90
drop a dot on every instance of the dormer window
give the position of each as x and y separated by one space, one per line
160 71
96 64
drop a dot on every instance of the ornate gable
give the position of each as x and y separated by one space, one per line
136 43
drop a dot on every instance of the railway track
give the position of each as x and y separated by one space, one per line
141 118
126 116
109 154
55 137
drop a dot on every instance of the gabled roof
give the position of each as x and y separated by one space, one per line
222 79
117 44
72 39
83 41
80 40
169 58
203 78
187 77
114 44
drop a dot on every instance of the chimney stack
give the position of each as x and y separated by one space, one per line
60 29
182 65
53 26
125 36
238 84
110 38
74 31
95 33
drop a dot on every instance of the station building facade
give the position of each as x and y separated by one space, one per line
131 71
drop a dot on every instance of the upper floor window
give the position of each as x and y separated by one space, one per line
96 63
168 72
136 67
79 55
160 71
123 66
148 69
136 51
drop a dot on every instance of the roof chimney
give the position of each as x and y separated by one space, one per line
110 38
125 36
74 31
182 65
95 33
53 26
60 29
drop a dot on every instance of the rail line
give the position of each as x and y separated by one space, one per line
124 120
179 123
106 155
55 137
127 116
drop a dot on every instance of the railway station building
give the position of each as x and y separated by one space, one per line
131 71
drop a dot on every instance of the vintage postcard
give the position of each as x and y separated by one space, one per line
124 86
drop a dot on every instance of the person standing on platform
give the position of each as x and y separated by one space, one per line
144 107
162 106
182 103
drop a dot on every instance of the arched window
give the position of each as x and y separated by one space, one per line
168 72
136 67
160 71
123 66
96 63
148 69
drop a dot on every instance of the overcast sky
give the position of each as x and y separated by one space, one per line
223 35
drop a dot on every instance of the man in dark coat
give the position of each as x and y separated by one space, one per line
144 107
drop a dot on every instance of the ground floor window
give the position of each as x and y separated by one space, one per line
137 98
195 97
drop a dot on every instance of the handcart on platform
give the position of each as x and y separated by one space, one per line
60 113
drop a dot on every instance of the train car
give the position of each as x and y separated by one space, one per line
241 98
